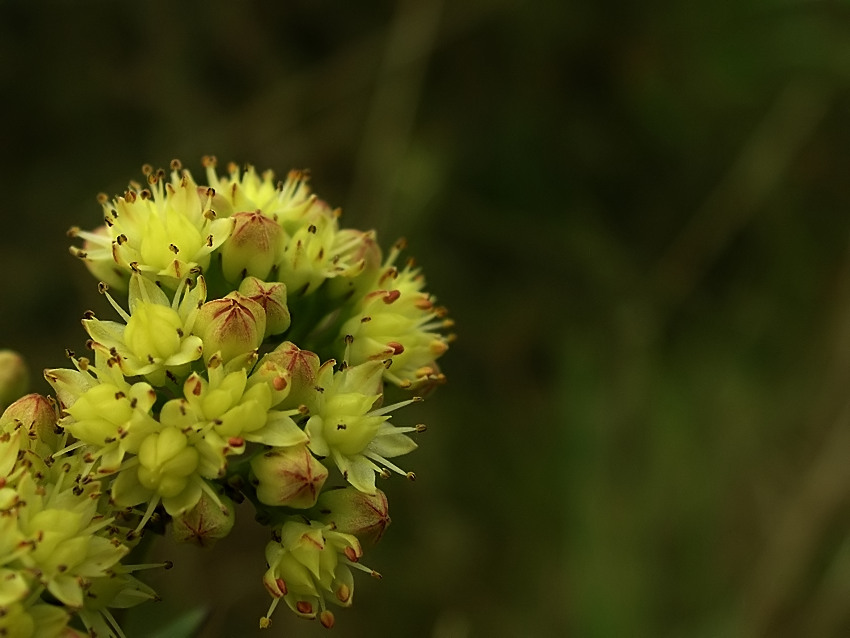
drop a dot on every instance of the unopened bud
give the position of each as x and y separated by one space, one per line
206 523
303 367
289 476
14 377
272 297
35 413
253 247
234 325
354 512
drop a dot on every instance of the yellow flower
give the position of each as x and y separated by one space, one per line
309 565
396 320
156 340
310 247
166 230
347 428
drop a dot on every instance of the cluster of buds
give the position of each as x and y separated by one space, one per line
258 354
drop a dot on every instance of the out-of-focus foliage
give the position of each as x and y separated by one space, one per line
638 214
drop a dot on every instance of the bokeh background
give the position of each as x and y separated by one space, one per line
638 215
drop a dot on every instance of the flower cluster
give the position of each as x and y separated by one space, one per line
259 354
60 553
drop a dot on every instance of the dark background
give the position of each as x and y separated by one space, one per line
638 215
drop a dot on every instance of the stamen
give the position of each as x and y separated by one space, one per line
148 513
394 406
103 288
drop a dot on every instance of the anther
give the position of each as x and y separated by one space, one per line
327 619
423 303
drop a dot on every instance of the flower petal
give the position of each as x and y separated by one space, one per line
391 443
279 431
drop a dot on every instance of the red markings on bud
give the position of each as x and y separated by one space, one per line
275 590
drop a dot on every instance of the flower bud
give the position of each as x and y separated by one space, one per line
303 367
254 246
272 297
288 476
14 377
233 326
35 413
206 523
353 512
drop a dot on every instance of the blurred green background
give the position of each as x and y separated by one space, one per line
638 215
